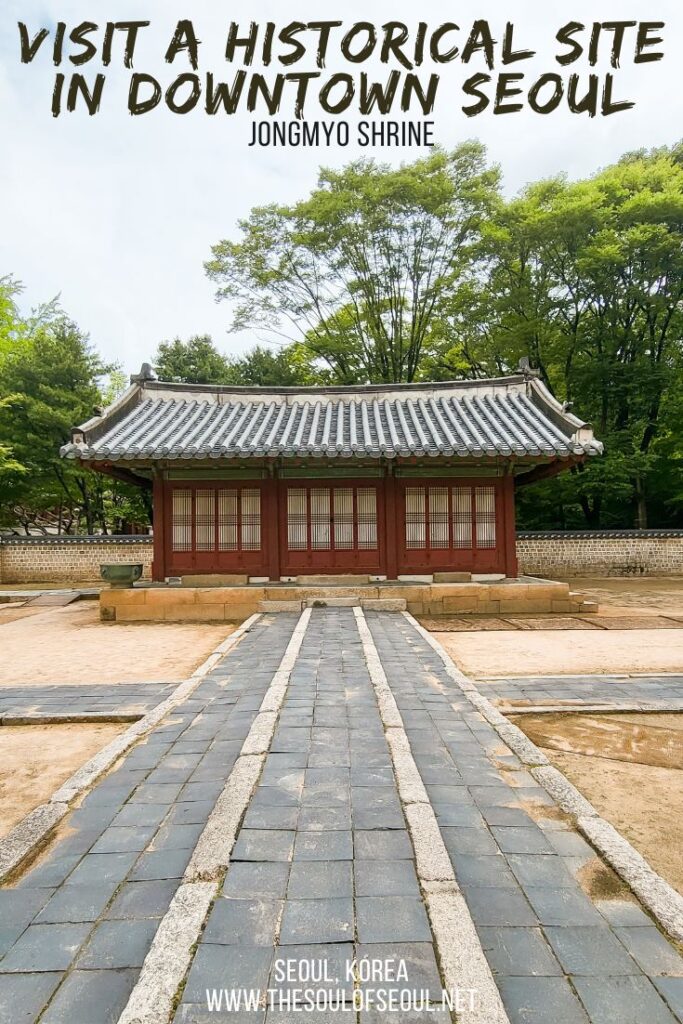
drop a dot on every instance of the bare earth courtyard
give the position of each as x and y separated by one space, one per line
385 817
71 645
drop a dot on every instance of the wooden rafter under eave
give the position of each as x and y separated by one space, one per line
126 476
546 470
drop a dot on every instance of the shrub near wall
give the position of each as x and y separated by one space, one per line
69 559
567 553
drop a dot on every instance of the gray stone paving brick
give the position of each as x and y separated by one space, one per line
214 967
515 839
256 880
201 791
272 817
160 793
124 839
569 844
469 840
623 913
105 796
91 997
461 815
23 996
444 796
372 777
542 1001
324 819
518 952
243 922
74 904
274 796
117 944
507 816
160 864
318 879
562 907
18 907
672 991
379 845
540 870
385 878
138 900
263 845
198 1013
500 907
474 870
328 962
140 815
194 812
391 919
651 951
311 846
418 959
428 1016
44 947
177 837
95 868
51 872
590 951
314 921
624 1000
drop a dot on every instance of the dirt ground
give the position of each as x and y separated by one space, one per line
631 769
71 645
36 759
551 652
620 595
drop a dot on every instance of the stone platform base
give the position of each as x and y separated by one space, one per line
526 595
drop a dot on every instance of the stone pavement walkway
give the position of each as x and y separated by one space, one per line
323 869
83 699
664 691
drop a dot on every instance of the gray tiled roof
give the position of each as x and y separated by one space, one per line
513 416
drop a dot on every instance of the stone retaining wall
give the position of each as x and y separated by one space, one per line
68 559
547 554
601 553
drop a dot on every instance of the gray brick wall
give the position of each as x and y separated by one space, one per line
77 559
68 560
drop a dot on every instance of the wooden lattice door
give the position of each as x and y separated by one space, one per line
331 527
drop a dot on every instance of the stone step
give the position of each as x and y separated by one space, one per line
339 580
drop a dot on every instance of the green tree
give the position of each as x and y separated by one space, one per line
586 280
195 361
357 271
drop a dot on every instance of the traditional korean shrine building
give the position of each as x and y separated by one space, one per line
386 481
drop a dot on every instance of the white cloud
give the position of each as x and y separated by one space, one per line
119 213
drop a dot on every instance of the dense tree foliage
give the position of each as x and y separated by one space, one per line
427 273
50 380
360 268
418 273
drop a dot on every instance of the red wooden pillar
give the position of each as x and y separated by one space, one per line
390 532
509 530
272 523
159 507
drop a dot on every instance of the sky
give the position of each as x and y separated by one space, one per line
117 214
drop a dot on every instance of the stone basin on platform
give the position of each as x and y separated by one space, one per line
223 603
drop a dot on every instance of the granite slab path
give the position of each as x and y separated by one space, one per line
83 699
590 690
323 875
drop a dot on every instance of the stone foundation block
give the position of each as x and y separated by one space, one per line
384 604
279 606
214 580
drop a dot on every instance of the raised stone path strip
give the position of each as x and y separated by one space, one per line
657 693
61 701
389 822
